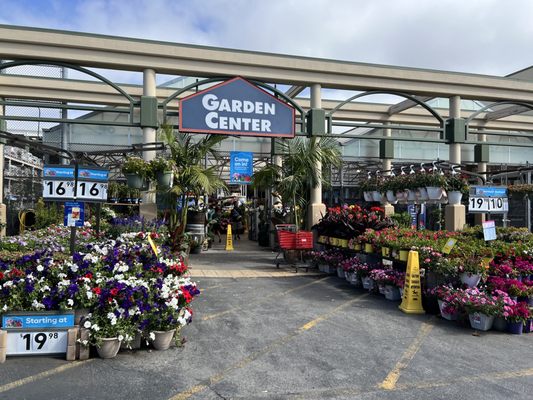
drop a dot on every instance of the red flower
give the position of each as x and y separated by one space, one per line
88 275
97 290
113 291
187 296
1 275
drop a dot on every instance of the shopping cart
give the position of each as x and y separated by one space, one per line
292 244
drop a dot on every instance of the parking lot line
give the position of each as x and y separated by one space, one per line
44 374
389 382
265 350
219 314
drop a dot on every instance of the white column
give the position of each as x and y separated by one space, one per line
3 209
455 215
386 165
149 89
148 208
316 207
455 112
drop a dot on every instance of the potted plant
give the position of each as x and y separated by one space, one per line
136 171
435 184
516 316
163 170
456 186
107 331
481 308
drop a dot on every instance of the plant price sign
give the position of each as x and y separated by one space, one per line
37 333
488 199
61 182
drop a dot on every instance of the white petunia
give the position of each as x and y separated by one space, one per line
152 335
70 302
87 324
40 268
120 337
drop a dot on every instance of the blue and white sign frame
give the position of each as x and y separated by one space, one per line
236 107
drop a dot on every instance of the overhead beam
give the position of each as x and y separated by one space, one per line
506 112
407 104
101 51
294 91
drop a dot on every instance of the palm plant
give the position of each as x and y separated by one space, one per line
297 175
191 177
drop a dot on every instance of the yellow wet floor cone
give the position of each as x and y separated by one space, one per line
412 289
229 239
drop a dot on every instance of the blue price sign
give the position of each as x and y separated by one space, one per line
37 321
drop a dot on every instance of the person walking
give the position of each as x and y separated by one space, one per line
236 221
214 222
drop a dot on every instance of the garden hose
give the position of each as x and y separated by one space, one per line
22 219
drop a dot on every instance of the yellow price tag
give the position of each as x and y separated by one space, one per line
154 247
449 245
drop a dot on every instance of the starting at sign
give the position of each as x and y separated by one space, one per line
236 107
37 333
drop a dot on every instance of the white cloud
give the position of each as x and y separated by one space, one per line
478 36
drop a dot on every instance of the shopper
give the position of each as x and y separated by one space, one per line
236 221
213 216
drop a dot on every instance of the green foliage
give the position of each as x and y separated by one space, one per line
403 220
47 214
161 164
297 174
136 165
191 175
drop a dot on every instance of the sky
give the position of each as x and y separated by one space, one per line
492 37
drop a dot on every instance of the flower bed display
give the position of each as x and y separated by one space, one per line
124 288
483 282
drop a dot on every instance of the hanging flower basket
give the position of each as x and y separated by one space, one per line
164 179
135 181
454 197
434 193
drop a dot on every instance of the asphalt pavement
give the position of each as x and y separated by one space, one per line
265 333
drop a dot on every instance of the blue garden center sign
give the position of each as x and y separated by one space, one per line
236 107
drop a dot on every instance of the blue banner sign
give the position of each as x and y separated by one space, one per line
58 172
490 191
92 174
236 107
37 321
74 213
241 167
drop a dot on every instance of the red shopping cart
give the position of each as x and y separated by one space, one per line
292 244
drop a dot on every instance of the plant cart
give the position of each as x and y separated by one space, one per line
292 244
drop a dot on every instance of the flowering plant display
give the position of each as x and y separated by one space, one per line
102 325
518 312
476 300
125 286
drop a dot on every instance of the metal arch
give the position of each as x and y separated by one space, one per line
223 79
77 68
498 103
329 115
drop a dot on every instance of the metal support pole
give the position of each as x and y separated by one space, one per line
98 217
481 168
